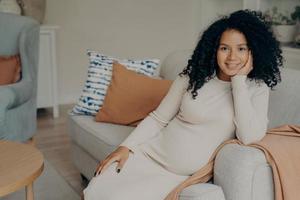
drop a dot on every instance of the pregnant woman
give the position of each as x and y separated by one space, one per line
222 93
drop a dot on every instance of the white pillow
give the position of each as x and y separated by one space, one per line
99 77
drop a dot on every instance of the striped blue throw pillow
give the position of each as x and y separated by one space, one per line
99 77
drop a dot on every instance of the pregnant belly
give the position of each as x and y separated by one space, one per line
187 147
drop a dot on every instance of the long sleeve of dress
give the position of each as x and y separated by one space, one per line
160 117
251 109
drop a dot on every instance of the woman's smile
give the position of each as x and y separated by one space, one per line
232 65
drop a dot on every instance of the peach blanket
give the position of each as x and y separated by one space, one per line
281 147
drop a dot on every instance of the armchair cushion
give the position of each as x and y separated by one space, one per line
10 68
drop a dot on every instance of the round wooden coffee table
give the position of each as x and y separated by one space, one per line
20 165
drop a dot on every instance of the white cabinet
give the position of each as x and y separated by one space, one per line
47 71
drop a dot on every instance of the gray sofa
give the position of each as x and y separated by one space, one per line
240 173
19 35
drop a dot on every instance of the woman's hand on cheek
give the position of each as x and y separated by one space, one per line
246 69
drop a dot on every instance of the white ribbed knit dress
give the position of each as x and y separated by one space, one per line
179 137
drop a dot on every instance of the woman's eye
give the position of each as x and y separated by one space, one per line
243 49
223 48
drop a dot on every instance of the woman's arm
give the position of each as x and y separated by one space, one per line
251 110
160 117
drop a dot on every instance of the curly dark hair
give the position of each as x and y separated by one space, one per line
266 52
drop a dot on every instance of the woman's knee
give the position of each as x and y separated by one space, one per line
98 188
93 192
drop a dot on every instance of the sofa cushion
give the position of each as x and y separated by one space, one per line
99 77
131 97
97 138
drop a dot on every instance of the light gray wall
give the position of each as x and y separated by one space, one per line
123 28
130 29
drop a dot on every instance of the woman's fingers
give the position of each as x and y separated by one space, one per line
108 163
98 168
103 165
120 165
249 61
120 155
247 67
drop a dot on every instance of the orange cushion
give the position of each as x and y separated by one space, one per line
131 97
10 69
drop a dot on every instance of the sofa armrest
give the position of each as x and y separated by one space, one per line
243 173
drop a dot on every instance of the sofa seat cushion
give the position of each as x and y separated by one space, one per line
203 191
96 138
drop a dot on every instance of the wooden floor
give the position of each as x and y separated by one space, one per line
53 140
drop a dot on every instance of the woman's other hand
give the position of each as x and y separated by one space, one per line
246 69
120 155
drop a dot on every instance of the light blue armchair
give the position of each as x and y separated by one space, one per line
19 35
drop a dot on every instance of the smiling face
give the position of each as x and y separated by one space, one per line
232 54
